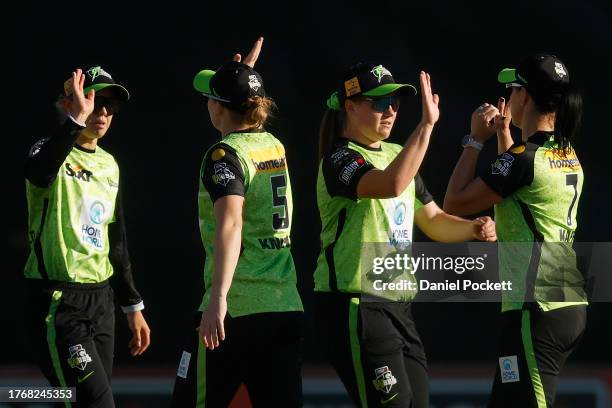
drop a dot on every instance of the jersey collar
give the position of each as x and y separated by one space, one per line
540 137
344 141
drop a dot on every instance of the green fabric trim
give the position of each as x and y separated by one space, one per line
532 364
201 376
387 89
98 87
356 350
333 102
56 299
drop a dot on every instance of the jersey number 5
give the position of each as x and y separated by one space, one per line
571 180
280 219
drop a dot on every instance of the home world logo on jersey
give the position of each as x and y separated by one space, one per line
508 367
95 214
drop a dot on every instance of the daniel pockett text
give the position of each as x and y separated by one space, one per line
408 265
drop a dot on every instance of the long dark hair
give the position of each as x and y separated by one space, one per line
566 103
331 129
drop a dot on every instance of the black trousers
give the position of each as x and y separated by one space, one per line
261 351
533 348
71 331
375 349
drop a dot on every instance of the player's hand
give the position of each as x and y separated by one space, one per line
252 56
82 105
504 118
141 334
482 125
429 100
211 328
484 229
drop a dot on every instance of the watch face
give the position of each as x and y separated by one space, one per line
466 139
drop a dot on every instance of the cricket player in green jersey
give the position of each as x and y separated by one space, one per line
535 186
250 316
78 245
369 195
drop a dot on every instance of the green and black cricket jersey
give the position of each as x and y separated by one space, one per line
75 218
541 188
252 164
355 230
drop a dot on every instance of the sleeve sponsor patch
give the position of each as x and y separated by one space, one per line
348 171
222 174
502 164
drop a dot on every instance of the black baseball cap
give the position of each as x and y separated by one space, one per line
97 79
232 84
538 73
367 79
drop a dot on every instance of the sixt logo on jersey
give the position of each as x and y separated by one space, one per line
78 172
274 243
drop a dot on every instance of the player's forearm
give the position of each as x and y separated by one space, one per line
42 165
462 175
228 237
405 166
504 141
448 228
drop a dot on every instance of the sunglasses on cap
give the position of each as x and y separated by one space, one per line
382 104
111 105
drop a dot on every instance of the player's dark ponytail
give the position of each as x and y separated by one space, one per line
568 117
332 127
566 103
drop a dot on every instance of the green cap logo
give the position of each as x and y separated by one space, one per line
94 72
379 72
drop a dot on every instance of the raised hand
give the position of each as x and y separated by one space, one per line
503 120
81 105
481 126
430 101
252 56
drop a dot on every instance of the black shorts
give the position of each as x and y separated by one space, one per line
375 349
261 351
71 330
533 347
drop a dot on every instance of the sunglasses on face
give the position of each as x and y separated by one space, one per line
383 103
111 105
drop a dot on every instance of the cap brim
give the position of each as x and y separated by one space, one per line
122 93
388 89
201 83
507 75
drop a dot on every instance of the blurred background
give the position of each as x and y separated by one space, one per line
160 138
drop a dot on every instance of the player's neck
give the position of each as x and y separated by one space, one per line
534 122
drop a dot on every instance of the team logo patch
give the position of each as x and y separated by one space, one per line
35 149
254 83
518 149
349 170
509 371
95 72
78 357
223 174
184 365
218 154
352 87
502 164
384 379
379 72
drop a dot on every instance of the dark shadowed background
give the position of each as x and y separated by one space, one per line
162 134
